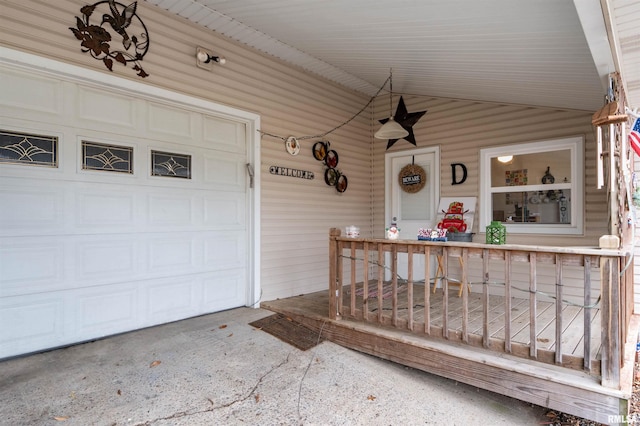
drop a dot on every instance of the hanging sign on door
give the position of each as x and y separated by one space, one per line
412 178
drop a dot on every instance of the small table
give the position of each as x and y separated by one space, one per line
440 270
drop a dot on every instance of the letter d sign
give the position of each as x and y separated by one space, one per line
454 180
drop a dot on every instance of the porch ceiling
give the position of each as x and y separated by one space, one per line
522 52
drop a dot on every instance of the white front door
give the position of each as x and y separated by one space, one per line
412 209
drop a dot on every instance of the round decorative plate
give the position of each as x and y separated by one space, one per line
331 159
320 150
293 146
341 183
331 177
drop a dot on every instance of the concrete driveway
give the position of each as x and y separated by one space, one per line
218 370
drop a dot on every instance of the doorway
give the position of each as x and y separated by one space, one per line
412 209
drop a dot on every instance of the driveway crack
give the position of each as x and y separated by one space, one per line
187 413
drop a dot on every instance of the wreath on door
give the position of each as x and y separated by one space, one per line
412 178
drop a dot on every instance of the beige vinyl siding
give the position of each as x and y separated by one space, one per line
461 128
296 214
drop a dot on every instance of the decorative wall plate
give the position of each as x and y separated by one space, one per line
331 159
320 150
292 145
341 183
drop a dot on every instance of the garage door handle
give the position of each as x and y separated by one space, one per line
250 171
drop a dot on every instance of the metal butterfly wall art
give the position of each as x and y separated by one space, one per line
97 40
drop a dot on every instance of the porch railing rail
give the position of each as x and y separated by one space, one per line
372 266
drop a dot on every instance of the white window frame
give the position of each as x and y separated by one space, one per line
576 185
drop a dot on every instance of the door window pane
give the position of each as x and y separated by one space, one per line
417 206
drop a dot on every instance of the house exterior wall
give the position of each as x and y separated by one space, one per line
461 128
297 213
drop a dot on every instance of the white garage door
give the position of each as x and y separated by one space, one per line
117 211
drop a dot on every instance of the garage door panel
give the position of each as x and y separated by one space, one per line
29 266
223 290
29 210
173 124
31 323
225 211
106 310
176 254
225 172
92 112
224 251
36 94
173 209
112 260
105 209
172 299
225 135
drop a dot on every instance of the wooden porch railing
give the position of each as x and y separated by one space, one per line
372 268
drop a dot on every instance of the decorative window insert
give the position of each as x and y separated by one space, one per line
25 148
170 165
539 190
108 158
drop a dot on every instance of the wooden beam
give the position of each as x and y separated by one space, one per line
610 354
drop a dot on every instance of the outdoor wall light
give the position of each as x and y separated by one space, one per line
205 58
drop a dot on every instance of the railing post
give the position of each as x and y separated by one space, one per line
587 314
334 291
610 328
485 298
559 296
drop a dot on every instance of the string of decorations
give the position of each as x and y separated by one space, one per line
322 135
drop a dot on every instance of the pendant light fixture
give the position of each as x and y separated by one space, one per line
391 129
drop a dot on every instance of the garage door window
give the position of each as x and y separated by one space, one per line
170 165
25 148
108 158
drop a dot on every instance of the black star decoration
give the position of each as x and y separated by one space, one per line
406 120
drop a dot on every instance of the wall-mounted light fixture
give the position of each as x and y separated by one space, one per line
205 58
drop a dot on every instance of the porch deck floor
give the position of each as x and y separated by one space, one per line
572 317
317 305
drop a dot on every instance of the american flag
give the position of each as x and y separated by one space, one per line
634 136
